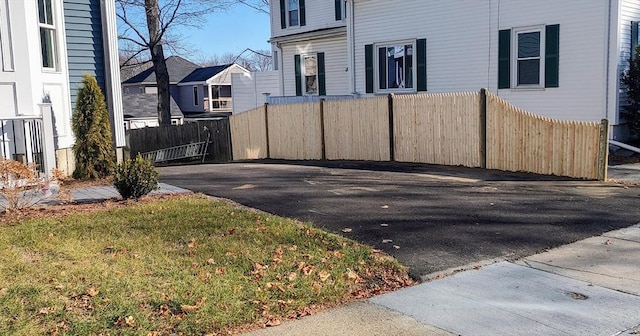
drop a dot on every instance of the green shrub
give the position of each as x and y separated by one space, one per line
135 178
93 149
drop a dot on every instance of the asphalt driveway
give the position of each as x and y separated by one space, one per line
431 218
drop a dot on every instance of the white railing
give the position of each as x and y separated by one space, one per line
276 100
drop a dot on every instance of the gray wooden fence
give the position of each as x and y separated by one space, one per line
154 138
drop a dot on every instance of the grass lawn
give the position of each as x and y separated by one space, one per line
187 265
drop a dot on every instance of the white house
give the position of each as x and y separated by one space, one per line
557 58
45 48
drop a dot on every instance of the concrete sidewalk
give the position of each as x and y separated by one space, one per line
590 287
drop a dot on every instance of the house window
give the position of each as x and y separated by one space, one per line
275 60
293 12
528 49
341 9
47 34
396 67
310 74
195 96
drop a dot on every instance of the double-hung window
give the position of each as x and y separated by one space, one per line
529 46
293 12
310 74
396 67
47 34
195 96
310 69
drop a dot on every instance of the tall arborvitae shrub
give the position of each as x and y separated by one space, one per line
93 149
631 79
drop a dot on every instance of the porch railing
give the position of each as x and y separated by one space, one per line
22 139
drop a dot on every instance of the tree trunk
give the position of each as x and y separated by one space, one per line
157 57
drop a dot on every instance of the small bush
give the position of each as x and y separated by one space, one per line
135 178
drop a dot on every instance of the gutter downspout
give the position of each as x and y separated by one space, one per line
351 46
625 146
607 62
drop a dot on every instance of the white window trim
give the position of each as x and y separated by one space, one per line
376 67
303 75
52 29
288 17
514 57
195 95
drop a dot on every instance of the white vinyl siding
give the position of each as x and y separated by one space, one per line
320 14
462 47
629 11
248 89
335 64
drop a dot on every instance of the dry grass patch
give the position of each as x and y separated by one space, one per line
185 265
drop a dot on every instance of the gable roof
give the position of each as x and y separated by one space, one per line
177 66
144 105
203 74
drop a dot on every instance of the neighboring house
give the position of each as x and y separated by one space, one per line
195 89
145 81
208 89
560 59
309 42
141 111
45 48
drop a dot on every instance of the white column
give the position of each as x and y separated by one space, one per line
112 70
49 149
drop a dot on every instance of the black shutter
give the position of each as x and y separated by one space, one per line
283 15
298 69
368 67
634 38
303 19
421 58
338 10
322 89
552 56
504 59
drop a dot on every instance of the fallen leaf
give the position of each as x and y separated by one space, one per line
92 291
273 323
306 270
347 230
211 261
192 308
292 276
384 225
351 275
387 241
4 291
338 254
608 242
324 275
396 247
192 243
220 270
130 321
385 206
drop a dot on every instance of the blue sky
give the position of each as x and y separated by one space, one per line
229 32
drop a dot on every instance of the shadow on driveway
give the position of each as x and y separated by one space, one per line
429 217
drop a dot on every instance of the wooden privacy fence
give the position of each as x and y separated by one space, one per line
150 139
476 129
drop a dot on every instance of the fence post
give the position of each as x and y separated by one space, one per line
483 128
322 141
266 127
392 155
603 150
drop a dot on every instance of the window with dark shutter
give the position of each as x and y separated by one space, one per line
634 38
368 67
421 57
552 56
298 75
504 59
322 89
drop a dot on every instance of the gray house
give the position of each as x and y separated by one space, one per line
45 48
